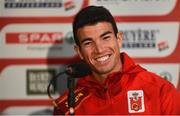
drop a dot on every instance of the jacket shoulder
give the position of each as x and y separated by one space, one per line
152 80
62 102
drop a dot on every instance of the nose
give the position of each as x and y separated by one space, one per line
98 47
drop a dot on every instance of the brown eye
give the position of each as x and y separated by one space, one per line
106 37
87 43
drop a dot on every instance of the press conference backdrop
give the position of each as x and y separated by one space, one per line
36 42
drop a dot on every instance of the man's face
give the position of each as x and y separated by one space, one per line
100 47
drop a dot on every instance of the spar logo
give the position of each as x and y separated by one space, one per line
34 37
139 38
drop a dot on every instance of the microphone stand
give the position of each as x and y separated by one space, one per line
71 95
77 70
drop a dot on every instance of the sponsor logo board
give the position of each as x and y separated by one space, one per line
149 39
37 41
39 8
37 81
27 81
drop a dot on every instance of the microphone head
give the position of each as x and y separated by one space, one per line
78 70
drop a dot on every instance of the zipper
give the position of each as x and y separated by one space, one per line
108 97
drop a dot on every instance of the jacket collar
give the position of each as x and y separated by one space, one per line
113 82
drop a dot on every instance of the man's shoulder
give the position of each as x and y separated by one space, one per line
62 102
153 79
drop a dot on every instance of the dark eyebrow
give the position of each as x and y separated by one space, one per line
105 33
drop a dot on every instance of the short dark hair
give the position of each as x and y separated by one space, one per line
92 15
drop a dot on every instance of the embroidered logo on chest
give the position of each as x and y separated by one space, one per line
135 101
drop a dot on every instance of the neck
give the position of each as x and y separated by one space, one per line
100 78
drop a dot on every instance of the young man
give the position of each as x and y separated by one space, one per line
117 85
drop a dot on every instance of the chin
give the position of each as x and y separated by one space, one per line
104 71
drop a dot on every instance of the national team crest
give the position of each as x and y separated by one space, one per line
136 101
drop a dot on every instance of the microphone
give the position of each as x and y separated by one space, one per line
78 70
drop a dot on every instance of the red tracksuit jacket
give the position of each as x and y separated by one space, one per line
132 91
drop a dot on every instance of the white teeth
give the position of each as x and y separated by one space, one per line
103 58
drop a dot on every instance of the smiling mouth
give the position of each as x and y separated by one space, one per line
103 58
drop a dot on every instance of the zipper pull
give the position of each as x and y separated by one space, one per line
105 88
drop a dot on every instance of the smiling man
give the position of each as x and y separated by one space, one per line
99 47
116 85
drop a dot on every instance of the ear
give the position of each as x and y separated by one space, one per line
78 51
119 38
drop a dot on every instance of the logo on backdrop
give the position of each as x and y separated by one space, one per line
149 39
167 76
39 4
143 38
163 45
135 101
37 41
34 37
39 37
38 80
40 7
139 38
